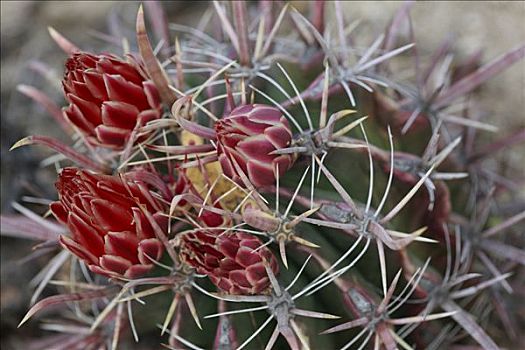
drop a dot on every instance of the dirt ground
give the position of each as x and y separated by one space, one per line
495 27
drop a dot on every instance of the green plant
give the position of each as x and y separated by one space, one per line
235 177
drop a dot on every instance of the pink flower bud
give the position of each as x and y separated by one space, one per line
109 231
233 260
247 136
108 97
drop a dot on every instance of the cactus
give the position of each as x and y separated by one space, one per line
280 185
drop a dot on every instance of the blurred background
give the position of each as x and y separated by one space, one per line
494 27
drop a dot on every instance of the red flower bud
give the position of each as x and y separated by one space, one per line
233 260
108 97
109 231
248 136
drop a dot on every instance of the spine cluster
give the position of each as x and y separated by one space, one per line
231 167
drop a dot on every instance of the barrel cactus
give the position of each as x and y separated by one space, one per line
269 181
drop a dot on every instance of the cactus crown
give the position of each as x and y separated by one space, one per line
282 185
